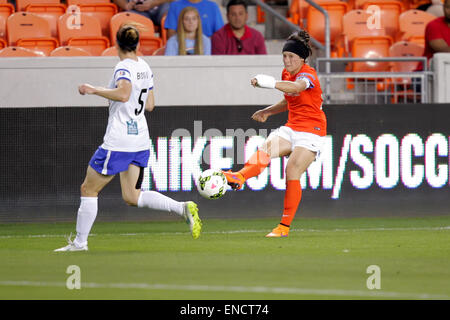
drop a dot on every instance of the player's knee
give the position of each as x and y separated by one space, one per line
130 200
293 170
86 191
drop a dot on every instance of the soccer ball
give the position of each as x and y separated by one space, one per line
212 184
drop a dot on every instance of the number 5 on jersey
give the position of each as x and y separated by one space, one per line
141 103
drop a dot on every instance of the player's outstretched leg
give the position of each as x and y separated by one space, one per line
253 167
235 179
187 210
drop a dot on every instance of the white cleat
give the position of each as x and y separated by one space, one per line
72 246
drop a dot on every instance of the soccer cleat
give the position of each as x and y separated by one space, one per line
190 213
72 246
235 179
278 232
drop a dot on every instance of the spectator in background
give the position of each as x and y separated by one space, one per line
189 38
152 9
209 11
437 33
236 37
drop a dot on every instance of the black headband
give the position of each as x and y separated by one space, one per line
130 47
296 47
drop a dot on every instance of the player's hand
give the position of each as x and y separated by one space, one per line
263 81
86 89
260 116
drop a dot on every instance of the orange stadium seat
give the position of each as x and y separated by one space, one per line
81 30
390 11
417 3
22 5
420 40
68 51
354 24
260 14
316 20
413 23
359 4
19 52
2 28
112 51
149 45
297 11
6 9
159 52
50 12
26 29
77 2
401 87
371 47
405 49
103 11
149 42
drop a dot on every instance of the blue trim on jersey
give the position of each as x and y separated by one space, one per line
307 74
151 88
311 84
121 70
109 162
123 78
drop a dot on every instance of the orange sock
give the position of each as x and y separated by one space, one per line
255 165
292 199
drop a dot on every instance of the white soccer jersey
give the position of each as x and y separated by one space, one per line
127 129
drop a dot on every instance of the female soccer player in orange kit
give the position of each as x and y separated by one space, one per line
301 138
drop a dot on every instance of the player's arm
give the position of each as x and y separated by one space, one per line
262 115
291 86
269 82
121 92
150 104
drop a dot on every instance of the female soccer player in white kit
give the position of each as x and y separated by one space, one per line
125 149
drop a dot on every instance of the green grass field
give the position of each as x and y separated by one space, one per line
321 259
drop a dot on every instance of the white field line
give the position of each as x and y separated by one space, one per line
242 289
444 228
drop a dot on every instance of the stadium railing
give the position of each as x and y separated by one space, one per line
375 87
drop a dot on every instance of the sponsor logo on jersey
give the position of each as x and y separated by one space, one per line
132 127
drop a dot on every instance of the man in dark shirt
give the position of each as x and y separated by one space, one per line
236 37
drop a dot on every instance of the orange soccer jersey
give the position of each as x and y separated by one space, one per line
305 108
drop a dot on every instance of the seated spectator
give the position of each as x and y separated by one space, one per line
152 9
209 11
189 38
236 37
437 33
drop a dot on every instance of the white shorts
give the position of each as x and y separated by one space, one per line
306 140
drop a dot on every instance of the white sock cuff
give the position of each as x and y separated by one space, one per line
140 204
89 198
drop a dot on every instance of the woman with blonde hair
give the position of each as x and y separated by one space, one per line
189 38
